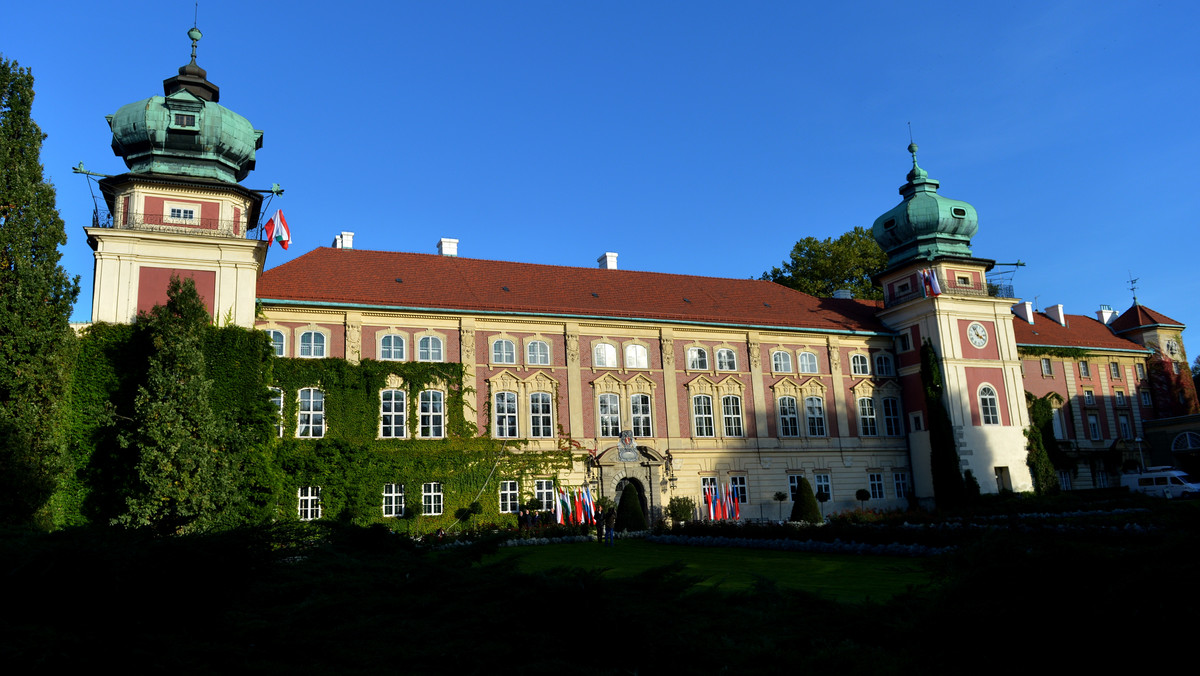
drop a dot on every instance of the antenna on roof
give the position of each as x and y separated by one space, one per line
910 138
1133 286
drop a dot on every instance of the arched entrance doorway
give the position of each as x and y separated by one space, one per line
630 488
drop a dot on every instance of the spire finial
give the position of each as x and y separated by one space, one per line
1133 286
195 35
917 172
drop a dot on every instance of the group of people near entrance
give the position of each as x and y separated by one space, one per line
606 521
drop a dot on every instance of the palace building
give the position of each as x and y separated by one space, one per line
721 382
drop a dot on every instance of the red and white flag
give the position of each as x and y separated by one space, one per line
277 229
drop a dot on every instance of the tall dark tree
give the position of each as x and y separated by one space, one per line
820 267
945 465
36 297
183 475
1040 435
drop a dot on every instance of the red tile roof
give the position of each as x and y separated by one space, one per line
1080 331
1140 315
369 278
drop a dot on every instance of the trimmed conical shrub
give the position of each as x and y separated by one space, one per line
805 508
629 511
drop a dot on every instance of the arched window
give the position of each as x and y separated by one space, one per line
429 348
433 414
702 414
277 344
697 359
789 417
866 417
859 365
392 414
540 416
1188 441
504 352
989 410
814 412
391 347
604 356
640 407
781 362
883 365
312 344
504 412
537 353
636 357
310 423
808 362
726 360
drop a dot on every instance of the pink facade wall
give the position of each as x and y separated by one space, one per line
977 376
990 350
155 213
152 286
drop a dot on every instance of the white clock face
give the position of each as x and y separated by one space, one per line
977 334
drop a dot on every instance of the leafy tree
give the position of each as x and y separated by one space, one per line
944 462
1040 434
36 296
183 477
681 509
806 508
820 267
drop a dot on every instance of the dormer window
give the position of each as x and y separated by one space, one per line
182 120
182 214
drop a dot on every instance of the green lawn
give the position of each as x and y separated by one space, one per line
833 576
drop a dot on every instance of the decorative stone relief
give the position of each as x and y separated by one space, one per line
353 341
755 354
572 348
668 352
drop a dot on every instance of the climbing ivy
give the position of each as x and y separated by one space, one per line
1067 353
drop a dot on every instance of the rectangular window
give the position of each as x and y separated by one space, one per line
309 507
185 120
392 414
1115 369
708 487
738 485
1064 479
814 411
1094 426
794 486
431 498
1047 367
891 417
1089 398
731 412
277 403
432 414
539 416
702 413
610 415
640 405
1126 428
310 423
866 418
789 417
905 344
393 500
875 481
183 214
543 490
1146 398
1119 397
504 412
900 482
916 422
1141 371
509 497
1084 370
822 485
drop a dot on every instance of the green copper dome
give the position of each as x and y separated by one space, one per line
925 225
185 132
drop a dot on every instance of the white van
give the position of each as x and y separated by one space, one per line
1165 482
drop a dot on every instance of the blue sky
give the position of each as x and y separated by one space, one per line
690 137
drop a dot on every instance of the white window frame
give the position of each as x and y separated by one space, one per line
860 365
875 482
1089 398
391 347
312 345
1125 426
823 481
814 415
1141 371
537 353
891 417
431 348
1114 369
308 503
794 486
1085 371
702 416
608 410
604 356
1093 426
737 484
543 490
1047 367
1146 400
809 363
504 415
1119 397
883 366
393 500
989 405
1064 479
867 424
731 416
310 418
726 359
278 341
781 362
432 414
433 501
510 497
637 357
393 414
789 417
697 359
504 351
541 415
900 484
641 415
277 402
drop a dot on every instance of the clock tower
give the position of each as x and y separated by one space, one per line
936 291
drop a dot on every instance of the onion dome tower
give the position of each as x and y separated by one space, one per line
179 210
936 291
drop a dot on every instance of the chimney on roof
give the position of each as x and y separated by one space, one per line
608 261
1024 311
1106 314
1056 313
344 240
843 293
447 247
